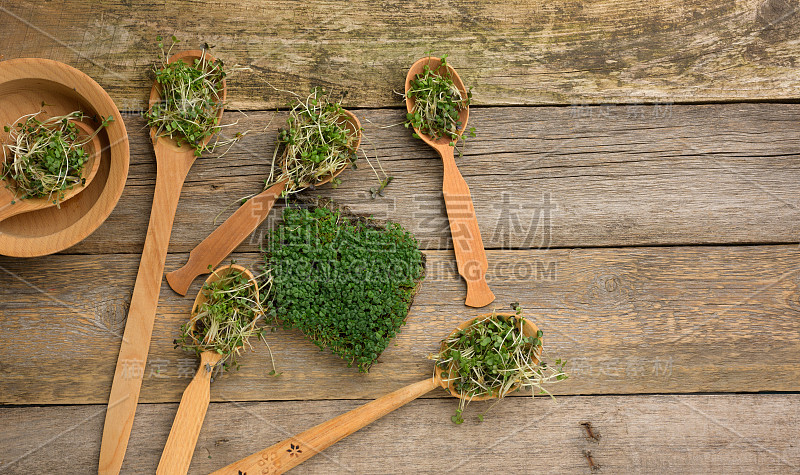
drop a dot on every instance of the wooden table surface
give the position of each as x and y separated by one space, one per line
635 179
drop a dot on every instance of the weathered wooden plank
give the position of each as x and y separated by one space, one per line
634 320
554 52
558 177
642 434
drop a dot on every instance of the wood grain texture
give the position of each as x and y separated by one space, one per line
539 177
636 434
541 52
636 320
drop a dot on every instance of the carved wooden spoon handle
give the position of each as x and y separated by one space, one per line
467 242
227 237
296 450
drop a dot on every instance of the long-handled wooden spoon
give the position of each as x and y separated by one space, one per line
173 163
220 243
296 450
10 206
467 242
177 455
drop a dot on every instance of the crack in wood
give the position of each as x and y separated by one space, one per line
591 433
593 465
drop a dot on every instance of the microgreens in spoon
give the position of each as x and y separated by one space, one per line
493 357
316 143
191 99
46 156
225 322
437 102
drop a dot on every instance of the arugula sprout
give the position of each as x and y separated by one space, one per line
493 357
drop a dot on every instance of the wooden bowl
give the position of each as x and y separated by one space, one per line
528 329
24 85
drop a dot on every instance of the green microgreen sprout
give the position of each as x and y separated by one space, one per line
346 283
375 192
384 179
437 103
45 158
191 101
225 322
493 357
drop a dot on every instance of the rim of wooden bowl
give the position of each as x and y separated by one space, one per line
80 224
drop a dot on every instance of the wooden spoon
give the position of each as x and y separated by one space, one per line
10 206
173 163
296 450
177 455
220 243
467 242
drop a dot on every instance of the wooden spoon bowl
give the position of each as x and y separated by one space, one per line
353 125
188 57
220 273
528 329
435 64
10 206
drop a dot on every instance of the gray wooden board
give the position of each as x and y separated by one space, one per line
633 320
637 434
540 177
556 52
630 320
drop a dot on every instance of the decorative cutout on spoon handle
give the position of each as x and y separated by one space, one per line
227 237
296 450
177 455
467 241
